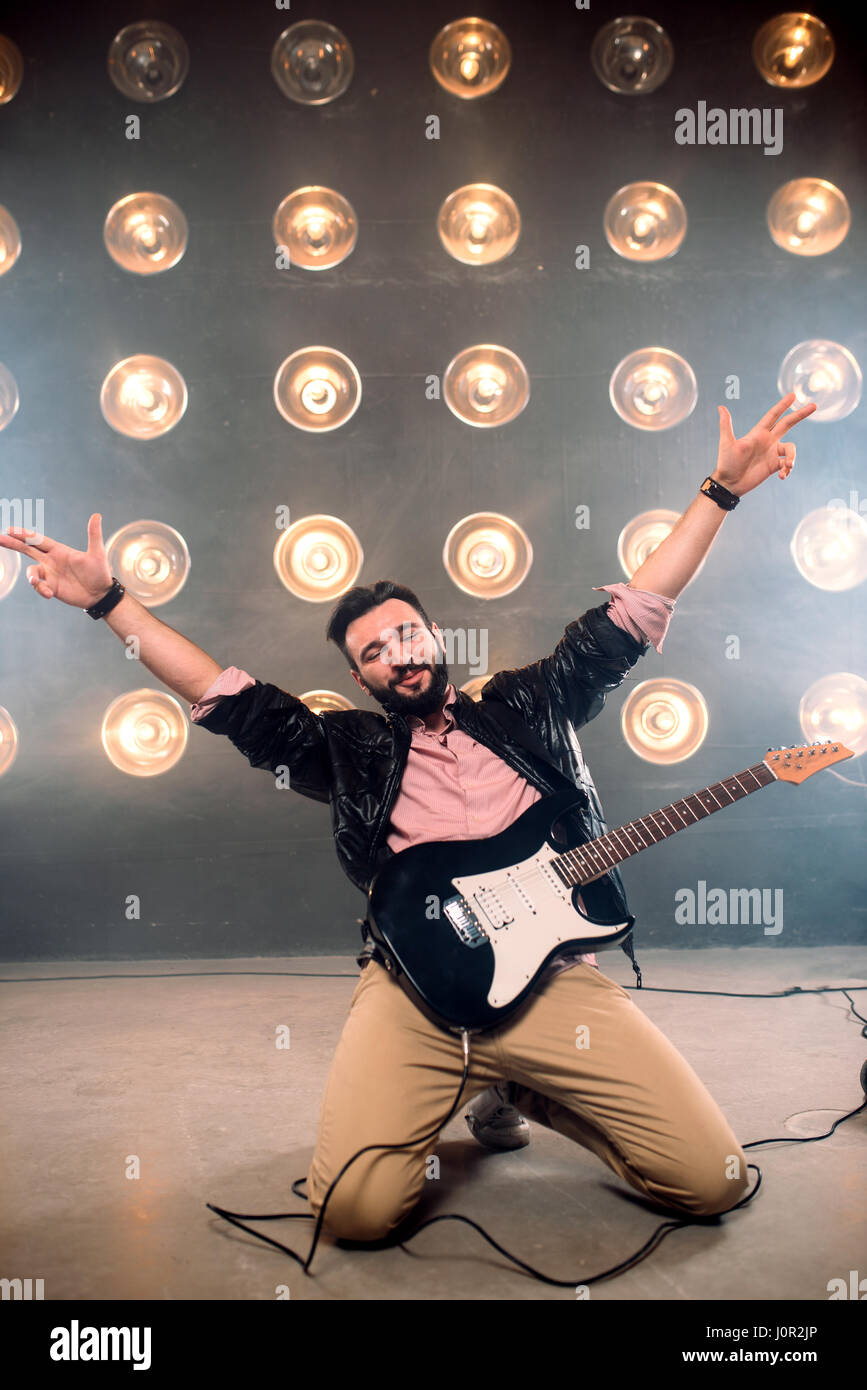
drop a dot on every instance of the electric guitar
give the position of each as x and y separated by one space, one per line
468 926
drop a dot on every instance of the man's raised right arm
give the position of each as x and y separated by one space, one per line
81 578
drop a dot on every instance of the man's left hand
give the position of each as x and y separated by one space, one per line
742 464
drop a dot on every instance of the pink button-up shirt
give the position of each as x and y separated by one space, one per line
454 788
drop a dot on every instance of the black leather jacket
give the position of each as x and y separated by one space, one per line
354 759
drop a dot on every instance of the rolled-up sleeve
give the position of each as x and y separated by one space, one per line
231 681
641 613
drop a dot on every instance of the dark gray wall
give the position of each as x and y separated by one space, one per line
225 864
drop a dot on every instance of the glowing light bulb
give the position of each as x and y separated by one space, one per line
10 568
829 548
10 241
665 720
8 740
479 224
793 50
653 388
824 372
470 58
317 226
150 559
808 217
835 707
11 69
324 701
317 389
486 386
145 233
144 733
8 396
143 397
487 555
318 558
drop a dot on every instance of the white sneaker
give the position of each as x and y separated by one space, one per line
494 1122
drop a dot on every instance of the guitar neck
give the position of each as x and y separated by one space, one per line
592 860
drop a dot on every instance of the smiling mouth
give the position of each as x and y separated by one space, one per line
415 679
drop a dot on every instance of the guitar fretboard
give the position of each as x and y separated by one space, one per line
586 862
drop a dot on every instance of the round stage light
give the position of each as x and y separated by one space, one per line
632 55
312 62
645 222
11 69
653 389
10 241
475 686
487 555
144 732
835 707
317 226
325 701
829 548
8 740
317 389
148 61
486 386
793 50
143 397
808 217
470 58
479 224
664 720
8 396
145 233
10 568
824 372
150 559
318 558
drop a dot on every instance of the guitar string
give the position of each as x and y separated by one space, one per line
638 825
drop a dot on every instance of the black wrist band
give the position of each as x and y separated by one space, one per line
108 601
719 494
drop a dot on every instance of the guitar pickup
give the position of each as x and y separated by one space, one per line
489 904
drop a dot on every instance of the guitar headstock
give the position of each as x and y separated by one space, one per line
797 763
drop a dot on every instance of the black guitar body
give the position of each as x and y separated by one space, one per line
446 957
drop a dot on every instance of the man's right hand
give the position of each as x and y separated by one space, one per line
77 577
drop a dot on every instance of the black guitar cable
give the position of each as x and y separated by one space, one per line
237 1218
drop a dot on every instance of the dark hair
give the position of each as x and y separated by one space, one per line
359 601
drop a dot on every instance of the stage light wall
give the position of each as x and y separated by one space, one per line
219 860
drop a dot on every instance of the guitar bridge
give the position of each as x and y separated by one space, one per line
464 922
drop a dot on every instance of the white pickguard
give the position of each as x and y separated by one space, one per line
525 911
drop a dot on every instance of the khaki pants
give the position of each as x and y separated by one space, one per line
627 1095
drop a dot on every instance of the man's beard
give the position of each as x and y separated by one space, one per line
422 702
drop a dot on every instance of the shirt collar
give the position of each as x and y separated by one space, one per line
415 722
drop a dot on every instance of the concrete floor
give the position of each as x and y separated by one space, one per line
182 1072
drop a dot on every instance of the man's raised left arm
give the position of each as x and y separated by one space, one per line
742 465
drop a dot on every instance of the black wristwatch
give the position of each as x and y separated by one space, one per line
719 494
108 601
